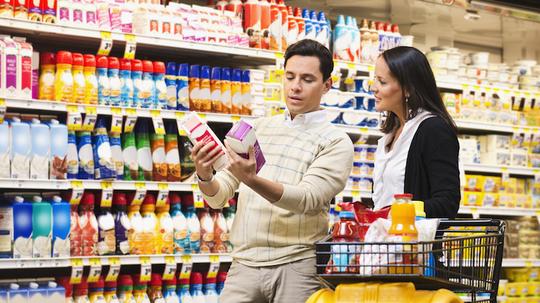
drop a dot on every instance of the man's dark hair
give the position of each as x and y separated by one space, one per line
308 47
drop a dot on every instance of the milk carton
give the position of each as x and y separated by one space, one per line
17 294
41 146
5 150
59 146
11 53
6 232
36 293
24 69
21 148
241 137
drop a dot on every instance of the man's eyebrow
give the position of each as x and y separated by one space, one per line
303 74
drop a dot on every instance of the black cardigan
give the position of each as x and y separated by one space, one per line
432 170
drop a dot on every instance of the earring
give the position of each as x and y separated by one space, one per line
407 99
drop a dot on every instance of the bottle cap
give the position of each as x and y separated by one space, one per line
196 278
114 63
125 64
174 198
47 58
89 61
159 67
78 59
102 62
183 70
148 66
136 65
226 74
119 199
194 71
171 68
63 57
216 73
236 75
205 72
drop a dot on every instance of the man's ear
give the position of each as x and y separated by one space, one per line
327 85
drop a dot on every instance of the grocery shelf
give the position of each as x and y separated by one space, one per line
513 170
93 184
364 131
106 260
459 86
172 46
357 194
499 211
521 263
494 127
449 85
361 67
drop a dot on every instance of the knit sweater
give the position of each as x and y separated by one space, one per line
313 162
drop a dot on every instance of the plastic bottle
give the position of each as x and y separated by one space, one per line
114 81
139 290
374 34
209 290
110 292
150 233
155 292
365 42
160 96
292 34
229 213
47 76
126 82
207 230
182 87
221 232
316 26
169 291
22 228
215 90
40 153
117 155
61 226
88 225
63 84
194 226
252 22
172 155
246 93
275 31
196 288
396 35
265 21
41 228
180 227
170 81
90 80
129 155
220 284
64 282
165 229
136 76
355 39
205 93
80 292
382 36
125 289
284 24
148 85
309 30
404 230
75 233
79 82
86 156
104 84
194 87
300 23
136 238
343 259
122 224
182 289
159 160
106 237
144 153
96 291
72 156
103 165
236 91
226 96
326 34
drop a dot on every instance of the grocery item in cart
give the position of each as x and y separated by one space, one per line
344 258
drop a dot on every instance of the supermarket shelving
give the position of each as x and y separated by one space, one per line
521 263
513 170
499 211
494 127
93 184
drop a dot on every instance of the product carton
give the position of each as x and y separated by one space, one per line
241 137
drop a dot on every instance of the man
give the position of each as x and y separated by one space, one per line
282 210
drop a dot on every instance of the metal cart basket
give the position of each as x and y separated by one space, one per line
465 257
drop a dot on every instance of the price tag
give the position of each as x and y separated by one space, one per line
279 55
140 193
159 127
214 267
349 81
198 199
170 268
106 194
106 44
339 198
528 264
131 120
74 118
505 176
116 122
356 195
187 266
180 123
3 109
475 213
76 271
146 269
364 130
95 270
90 118
335 78
371 70
114 269
131 46
77 192
163 194
235 118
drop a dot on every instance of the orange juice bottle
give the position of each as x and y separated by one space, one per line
215 90
149 220
236 91
403 230
226 97
194 87
204 91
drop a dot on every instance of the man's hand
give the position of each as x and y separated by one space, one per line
245 170
204 156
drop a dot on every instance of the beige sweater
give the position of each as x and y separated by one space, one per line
313 161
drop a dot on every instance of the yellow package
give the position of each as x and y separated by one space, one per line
474 183
506 200
534 275
512 289
472 198
490 199
517 275
521 186
491 184
523 201
534 289
510 186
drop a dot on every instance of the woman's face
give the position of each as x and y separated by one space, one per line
387 90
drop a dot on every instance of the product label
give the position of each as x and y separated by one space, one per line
11 73
183 94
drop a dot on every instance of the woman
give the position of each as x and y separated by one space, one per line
419 152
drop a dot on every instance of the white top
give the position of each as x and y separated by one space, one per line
318 116
389 170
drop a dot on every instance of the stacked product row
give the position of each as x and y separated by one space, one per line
48 226
522 240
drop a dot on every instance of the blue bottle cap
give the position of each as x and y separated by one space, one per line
216 73
226 74
340 20
344 214
305 13
194 71
313 16
349 21
171 68
237 75
245 76
205 72
183 70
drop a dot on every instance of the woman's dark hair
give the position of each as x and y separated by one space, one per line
411 69
308 47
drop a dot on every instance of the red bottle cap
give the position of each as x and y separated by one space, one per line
90 60
114 63
111 284
47 59
63 57
210 280
137 280
136 65
149 199
159 67
125 64
222 276
81 289
232 202
119 199
196 278
174 198
125 280
78 59
148 66
187 200
99 284
170 282
64 282
88 198
156 280
102 62
183 282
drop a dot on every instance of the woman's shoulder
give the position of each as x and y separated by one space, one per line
434 125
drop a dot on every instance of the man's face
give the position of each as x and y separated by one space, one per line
304 85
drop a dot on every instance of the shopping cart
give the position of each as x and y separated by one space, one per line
465 257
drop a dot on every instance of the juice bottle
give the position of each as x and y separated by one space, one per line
226 97
68 287
136 76
104 84
72 156
165 229
194 226
221 277
155 292
129 154
75 233
90 80
115 141
343 258
221 232
136 238
41 228
86 156
215 88
169 291
229 213
159 160
96 291
160 97
122 224
403 230
80 292
172 155
88 224
126 82
194 87
150 233
106 234
114 81
125 289
236 92
182 289
180 228
209 289
182 87
246 93
148 91
144 152
139 290
63 84
47 77
197 294
205 104
110 292
170 81
79 82
207 230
